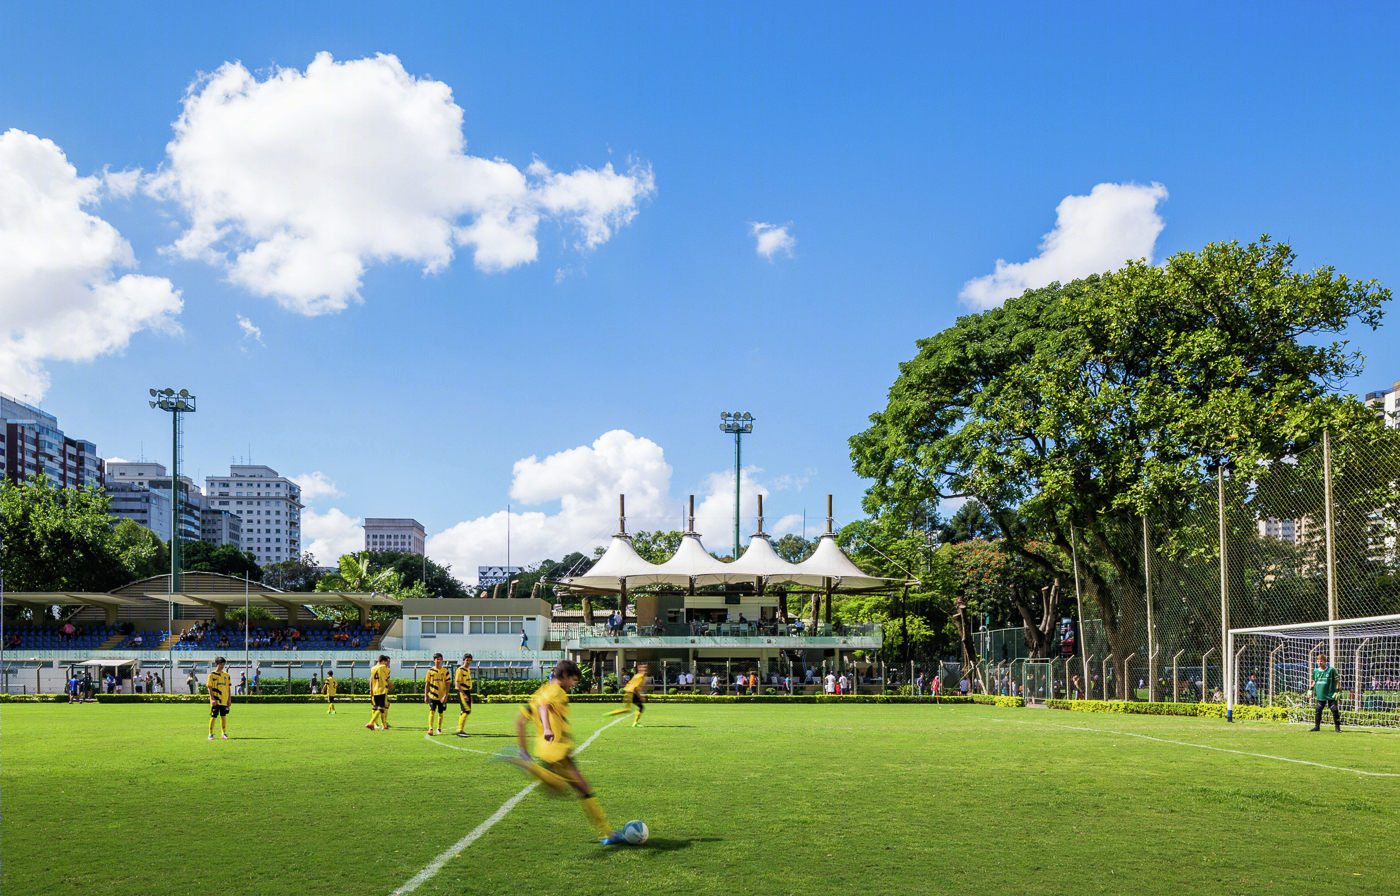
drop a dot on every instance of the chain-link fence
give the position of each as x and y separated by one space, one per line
1159 593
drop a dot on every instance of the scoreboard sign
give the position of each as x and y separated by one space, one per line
495 575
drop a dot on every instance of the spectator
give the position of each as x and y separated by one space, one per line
830 683
714 684
136 640
919 685
1251 691
314 683
160 684
963 686
935 685
843 684
191 682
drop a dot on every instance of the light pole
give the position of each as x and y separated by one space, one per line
739 424
176 403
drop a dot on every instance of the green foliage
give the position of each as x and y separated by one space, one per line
300 574
1242 713
968 522
1090 403
410 569
62 540
998 700
794 548
1129 707
139 550
201 556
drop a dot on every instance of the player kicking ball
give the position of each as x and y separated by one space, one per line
553 760
634 695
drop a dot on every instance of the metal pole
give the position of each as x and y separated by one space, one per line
246 662
1224 589
1331 548
738 433
1079 599
1176 674
1151 631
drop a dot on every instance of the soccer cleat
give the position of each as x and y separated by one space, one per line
1314 728
370 726
462 734
613 839
225 737
211 737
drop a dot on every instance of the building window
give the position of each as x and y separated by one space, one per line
442 625
497 625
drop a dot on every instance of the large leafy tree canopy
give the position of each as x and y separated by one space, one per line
1089 403
201 556
63 540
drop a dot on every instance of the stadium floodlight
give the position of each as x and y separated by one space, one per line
739 423
184 405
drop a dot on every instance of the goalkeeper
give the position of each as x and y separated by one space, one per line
1325 692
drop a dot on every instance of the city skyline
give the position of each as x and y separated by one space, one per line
433 272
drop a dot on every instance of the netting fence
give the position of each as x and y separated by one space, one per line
1159 592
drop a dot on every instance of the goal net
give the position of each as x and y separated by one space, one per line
1272 666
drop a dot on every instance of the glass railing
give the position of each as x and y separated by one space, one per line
687 633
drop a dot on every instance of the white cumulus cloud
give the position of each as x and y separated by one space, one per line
773 239
59 286
1115 223
579 486
299 181
332 534
316 485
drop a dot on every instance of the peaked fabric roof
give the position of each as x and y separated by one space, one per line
692 564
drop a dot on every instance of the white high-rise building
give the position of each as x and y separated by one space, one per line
268 506
126 480
394 534
1388 402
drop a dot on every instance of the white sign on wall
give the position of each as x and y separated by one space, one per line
495 575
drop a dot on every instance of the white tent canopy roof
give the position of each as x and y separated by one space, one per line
621 565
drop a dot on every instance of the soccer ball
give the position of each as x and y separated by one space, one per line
635 833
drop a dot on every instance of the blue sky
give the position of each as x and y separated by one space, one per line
895 153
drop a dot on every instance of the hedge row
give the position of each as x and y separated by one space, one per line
1126 706
994 700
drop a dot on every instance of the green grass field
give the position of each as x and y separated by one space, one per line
815 799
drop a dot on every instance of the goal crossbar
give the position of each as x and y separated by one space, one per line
1371 648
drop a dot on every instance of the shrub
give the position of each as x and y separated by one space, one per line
997 700
1125 707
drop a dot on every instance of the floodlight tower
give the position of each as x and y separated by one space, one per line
176 403
739 424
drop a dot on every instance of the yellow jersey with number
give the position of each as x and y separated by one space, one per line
379 680
330 686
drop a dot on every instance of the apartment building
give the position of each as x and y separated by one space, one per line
268 506
1389 402
394 534
31 444
126 479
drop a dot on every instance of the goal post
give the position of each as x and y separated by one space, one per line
1272 666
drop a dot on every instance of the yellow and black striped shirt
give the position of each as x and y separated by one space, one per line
637 683
464 679
220 693
435 685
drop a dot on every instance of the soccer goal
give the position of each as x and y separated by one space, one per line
1272 666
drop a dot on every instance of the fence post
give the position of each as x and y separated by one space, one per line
1151 628
1356 684
1331 545
1106 662
1273 665
1224 594
1176 674
1205 675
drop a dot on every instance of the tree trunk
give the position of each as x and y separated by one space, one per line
1038 634
816 610
782 607
969 647
587 610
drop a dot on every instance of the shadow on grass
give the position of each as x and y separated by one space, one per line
656 845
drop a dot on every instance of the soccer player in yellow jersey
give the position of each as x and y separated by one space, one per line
463 681
220 697
553 762
435 693
634 695
330 686
379 686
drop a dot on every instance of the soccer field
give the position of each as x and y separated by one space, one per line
772 799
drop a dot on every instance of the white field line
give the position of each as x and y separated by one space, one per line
435 865
1182 743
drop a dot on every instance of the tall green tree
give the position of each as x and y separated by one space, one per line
57 539
411 568
300 574
225 559
1084 406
